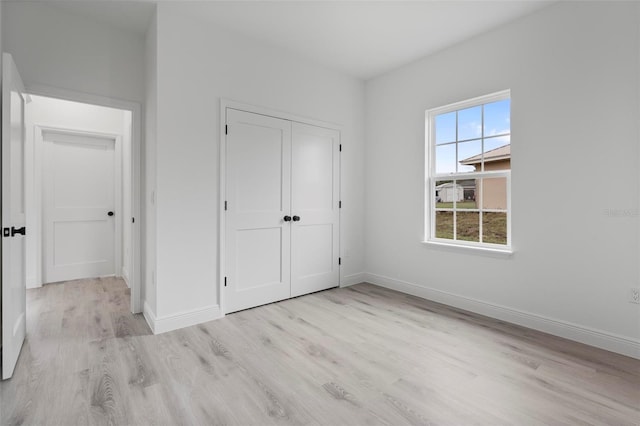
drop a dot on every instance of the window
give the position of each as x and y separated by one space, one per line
468 173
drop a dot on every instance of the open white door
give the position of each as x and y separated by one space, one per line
13 217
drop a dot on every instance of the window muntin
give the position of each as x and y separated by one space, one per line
469 172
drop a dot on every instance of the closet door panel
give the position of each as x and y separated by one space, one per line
315 173
258 191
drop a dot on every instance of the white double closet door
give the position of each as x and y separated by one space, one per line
282 209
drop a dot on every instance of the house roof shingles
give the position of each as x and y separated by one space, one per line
496 154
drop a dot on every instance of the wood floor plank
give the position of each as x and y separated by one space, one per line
362 355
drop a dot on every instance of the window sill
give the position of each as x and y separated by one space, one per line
459 248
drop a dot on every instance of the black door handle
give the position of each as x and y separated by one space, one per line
21 231
287 218
110 214
296 218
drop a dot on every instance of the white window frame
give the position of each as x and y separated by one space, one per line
431 177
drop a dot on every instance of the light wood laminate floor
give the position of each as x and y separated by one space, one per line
356 356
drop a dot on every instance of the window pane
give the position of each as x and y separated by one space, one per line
446 158
446 128
494 193
469 194
469 156
494 228
444 225
497 119
448 192
470 123
468 226
468 205
497 153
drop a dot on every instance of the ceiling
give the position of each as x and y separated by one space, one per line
361 38
133 16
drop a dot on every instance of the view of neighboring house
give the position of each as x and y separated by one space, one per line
495 159
495 190
448 193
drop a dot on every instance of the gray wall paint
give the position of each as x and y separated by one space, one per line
221 64
148 173
58 49
573 72
1 51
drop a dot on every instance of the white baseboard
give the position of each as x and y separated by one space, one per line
180 320
150 316
352 279
125 276
598 338
32 282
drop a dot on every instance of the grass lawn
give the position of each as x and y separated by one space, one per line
460 205
494 226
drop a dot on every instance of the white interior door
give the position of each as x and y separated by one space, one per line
79 206
315 190
14 283
257 238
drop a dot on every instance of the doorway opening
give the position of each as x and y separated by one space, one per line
82 190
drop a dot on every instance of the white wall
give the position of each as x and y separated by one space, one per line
638 119
55 48
148 226
127 197
61 114
197 65
573 70
1 51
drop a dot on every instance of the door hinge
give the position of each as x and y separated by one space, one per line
133 220
340 147
340 204
339 261
226 129
225 281
225 205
